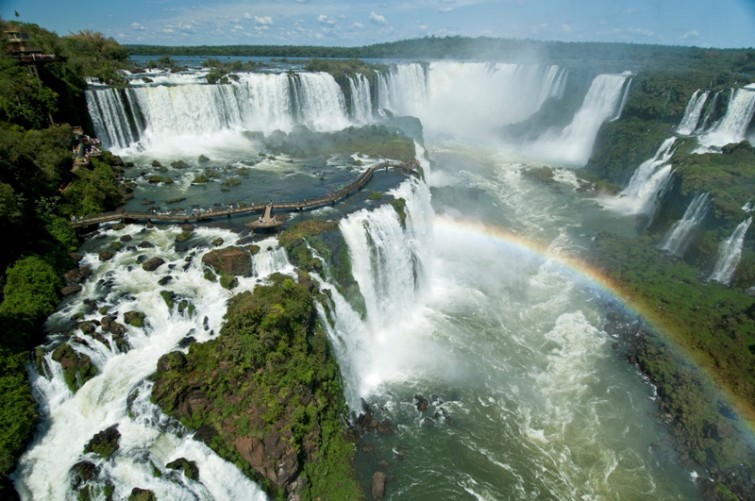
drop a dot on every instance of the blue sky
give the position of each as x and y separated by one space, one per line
704 23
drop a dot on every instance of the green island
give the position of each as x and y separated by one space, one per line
271 349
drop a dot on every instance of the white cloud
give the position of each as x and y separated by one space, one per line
641 31
566 28
247 15
423 27
447 5
137 27
263 20
357 25
377 18
690 34
238 27
323 19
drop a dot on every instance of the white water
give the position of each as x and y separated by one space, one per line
692 113
732 128
729 254
679 236
469 100
361 99
649 179
573 145
147 436
623 100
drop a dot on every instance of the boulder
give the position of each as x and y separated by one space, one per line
134 318
106 255
189 468
272 457
421 402
70 290
175 360
83 472
105 442
230 260
138 494
378 485
153 263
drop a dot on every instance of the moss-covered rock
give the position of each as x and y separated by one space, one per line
105 442
77 367
189 468
266 394
134 318
235 261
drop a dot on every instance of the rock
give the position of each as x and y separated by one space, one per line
271 456
106 255
187 227
77 367
421 402
110 325
134 318
175 360
146 244
153 263
73 276
378 485
165 280
138 494
188 467
83 472
87 327
70 290
126 238
231 260
104 443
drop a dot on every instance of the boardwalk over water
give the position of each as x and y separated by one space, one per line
244 209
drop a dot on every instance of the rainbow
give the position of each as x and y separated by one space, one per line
595 277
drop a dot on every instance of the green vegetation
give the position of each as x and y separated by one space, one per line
266 394
377 141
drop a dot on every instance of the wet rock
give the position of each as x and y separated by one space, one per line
126 238
420 402
138 494
73 276
153 263
70 290
378 485
109 324
106 255
146 244
82 472
187 227
77 367
173 361
105 443
230 260
134 318
189 468
187 341
165 280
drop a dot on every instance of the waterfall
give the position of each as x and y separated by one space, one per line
623 100
729 254
732 128
257 101
692 113
573 145
649 179
361 99
468 99
120 393
679 236
389 262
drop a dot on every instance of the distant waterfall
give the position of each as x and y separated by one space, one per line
623 100
732 128
468 99
573 145
649 179
258 101
389 262
692 113
729 254
679 236
361 99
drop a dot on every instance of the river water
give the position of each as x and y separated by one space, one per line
465 309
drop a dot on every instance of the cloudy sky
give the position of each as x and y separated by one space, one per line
705 23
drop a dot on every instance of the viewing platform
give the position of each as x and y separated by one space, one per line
268 221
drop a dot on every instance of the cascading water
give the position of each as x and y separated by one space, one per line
679 236
257 101
469 99
624 97
573 145
641 194
692 113
732 128
361 99
119 394
729 254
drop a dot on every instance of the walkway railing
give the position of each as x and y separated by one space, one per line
243 209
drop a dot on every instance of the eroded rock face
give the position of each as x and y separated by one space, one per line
231 260
270 456
378 485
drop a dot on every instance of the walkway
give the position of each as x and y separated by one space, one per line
243 209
